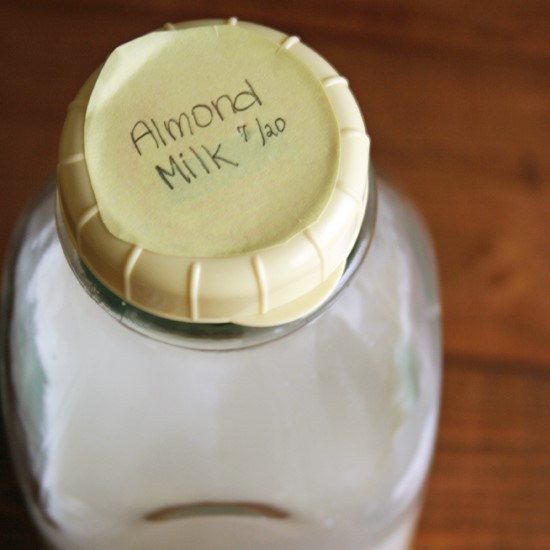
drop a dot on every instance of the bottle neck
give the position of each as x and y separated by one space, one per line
207 336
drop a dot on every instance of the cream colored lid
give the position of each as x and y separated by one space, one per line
215 171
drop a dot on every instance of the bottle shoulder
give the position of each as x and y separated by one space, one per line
398 266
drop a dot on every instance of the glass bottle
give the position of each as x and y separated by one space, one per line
131 430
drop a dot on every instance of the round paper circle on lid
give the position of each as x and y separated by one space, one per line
215 171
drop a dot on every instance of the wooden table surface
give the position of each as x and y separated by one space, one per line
456 96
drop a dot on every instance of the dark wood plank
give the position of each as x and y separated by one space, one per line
489 486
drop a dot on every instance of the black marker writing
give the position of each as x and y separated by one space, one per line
271 130
187 167
146 134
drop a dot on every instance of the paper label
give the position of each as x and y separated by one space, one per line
209 142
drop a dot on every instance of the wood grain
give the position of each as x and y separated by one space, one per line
456 96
